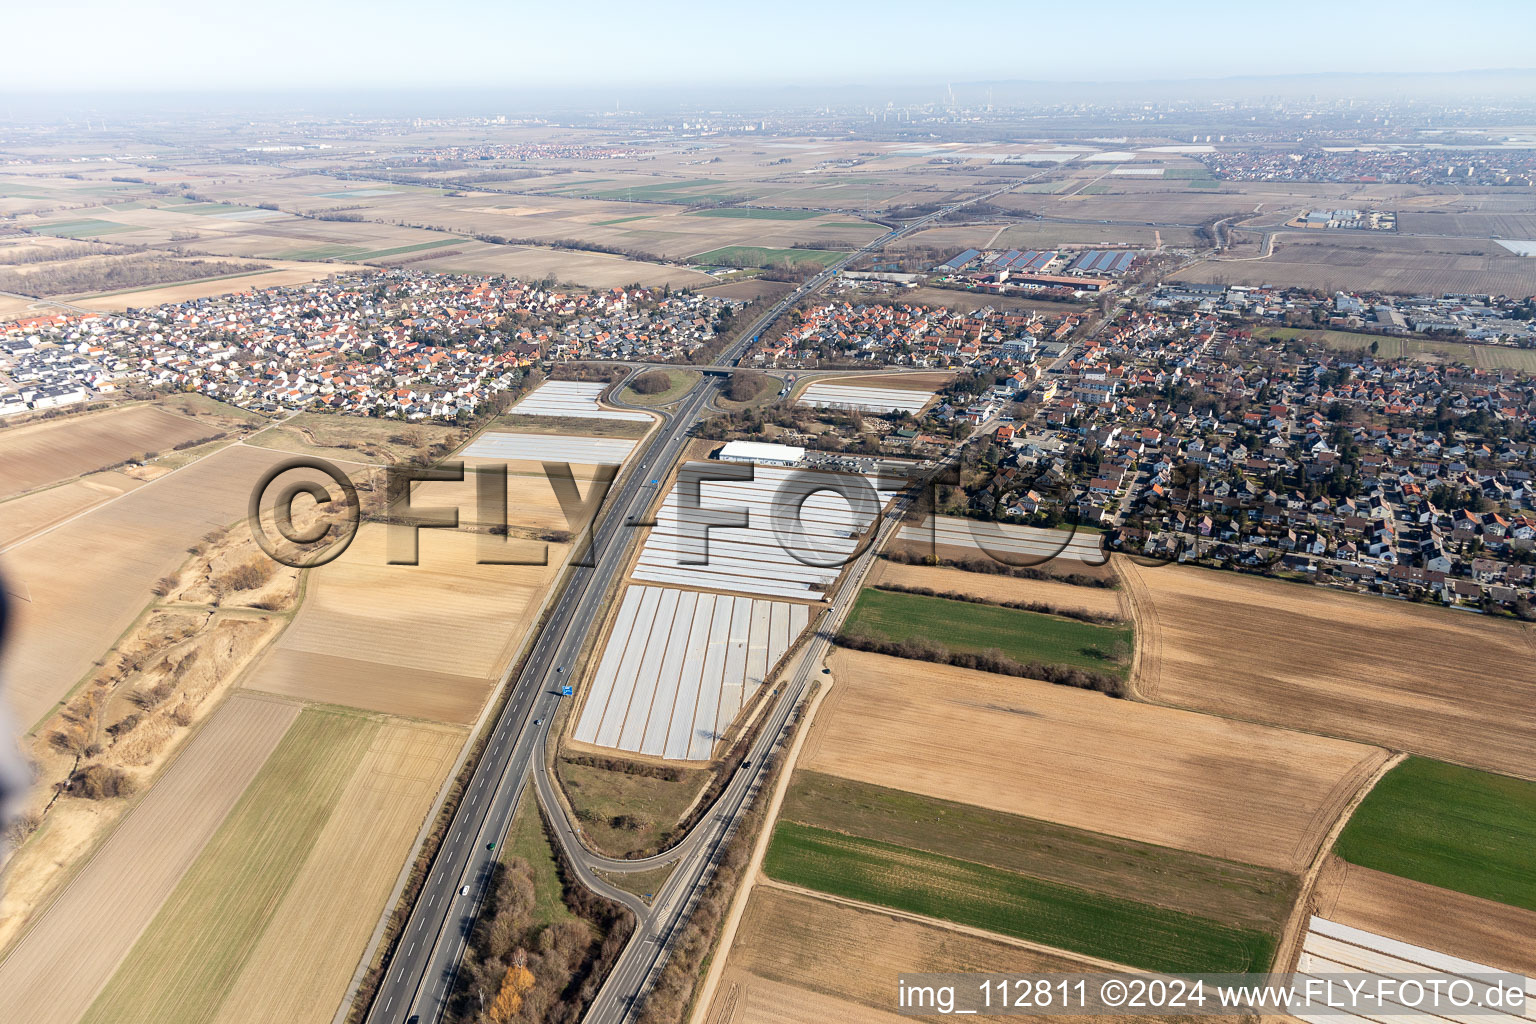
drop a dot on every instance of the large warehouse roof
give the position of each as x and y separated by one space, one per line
761 451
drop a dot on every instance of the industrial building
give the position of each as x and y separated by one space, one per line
761 453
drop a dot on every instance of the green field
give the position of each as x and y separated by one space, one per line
378 254
1094 190
1186 173
71 228
184 963
757 256
526 839
1487 357
1457 828
1115 929
758 213
1020 635
679 381
1231 893
620 220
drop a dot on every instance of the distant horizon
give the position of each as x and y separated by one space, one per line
475 44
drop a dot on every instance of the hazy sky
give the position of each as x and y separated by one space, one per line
90 45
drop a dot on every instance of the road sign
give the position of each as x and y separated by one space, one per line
566 691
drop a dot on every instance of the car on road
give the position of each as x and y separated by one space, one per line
746 764
538 721
464 891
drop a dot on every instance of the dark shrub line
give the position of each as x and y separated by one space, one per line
985 661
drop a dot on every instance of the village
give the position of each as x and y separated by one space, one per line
403 344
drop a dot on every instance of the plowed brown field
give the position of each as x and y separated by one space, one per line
1446 684
1426 915
1195 782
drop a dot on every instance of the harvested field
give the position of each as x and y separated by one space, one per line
422 641
792 953
1092 600
52 975
1426 915
534 509
1331 266
921 381
1445 684
1107 927
679 666
58 449
1204 784
1444 825
24 516
182 965
82 584
277 275
300 968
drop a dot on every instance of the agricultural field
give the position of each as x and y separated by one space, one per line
1425 915
1088 600
291 840
1237 895
962 626
87 580
1067 551
301 966
1102 926
1439 683
790 961
753 559
48 451
1371 265
1484 357
758 256
421 641
74 946
1444 825
31 513
679 666
1206 785
1333 948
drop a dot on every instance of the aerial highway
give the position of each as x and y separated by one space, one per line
420 972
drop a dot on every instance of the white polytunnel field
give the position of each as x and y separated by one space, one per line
678 667
779 553
514 447
571 398
831 395
1009 543
1330 948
